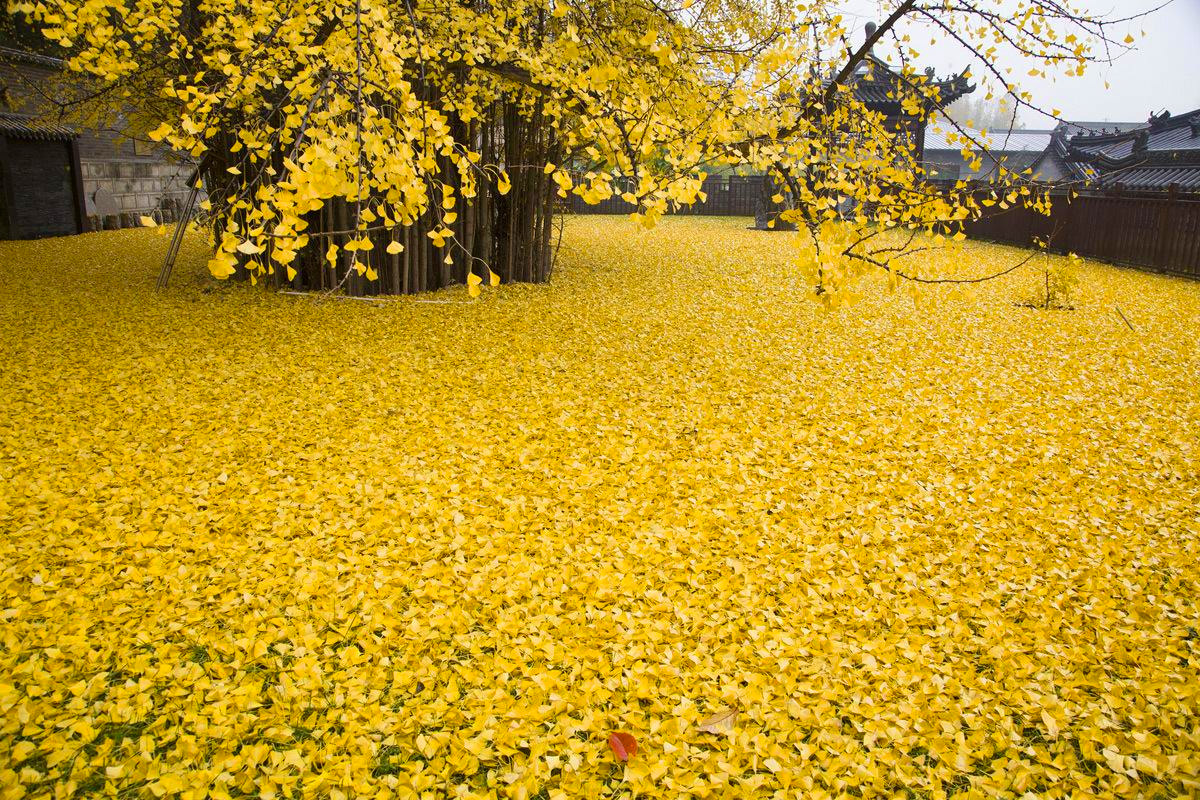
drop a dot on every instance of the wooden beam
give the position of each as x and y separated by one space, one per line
81 220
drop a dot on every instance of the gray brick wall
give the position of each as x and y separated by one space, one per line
139 186
141 183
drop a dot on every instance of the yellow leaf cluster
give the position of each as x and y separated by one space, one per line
259 545
397 108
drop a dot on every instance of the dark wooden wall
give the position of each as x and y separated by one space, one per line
727 196
39 189
1160 231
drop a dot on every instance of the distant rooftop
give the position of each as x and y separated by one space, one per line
879 85
1162 152
1073 127
1153 155
1018 140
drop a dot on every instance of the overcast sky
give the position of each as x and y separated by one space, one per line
1162 73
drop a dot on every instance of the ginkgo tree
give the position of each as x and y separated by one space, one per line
396 146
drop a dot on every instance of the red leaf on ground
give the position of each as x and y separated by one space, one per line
623 745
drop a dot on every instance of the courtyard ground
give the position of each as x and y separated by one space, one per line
255 544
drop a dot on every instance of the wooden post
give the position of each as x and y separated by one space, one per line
6 191
81 220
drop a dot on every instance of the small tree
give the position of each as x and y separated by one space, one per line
1054 285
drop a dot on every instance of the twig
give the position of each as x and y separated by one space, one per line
1123 318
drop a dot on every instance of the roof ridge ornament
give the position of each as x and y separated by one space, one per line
1157 121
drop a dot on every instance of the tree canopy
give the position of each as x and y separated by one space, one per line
413 112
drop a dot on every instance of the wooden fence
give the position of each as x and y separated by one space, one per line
1160 231
727 196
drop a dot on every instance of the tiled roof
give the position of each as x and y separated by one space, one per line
23 126
1186 178
1097 128
1152 155
1015 151
12 54
878 84
1000 141
1172 136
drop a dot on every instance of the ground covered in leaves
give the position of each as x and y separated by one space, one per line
261 545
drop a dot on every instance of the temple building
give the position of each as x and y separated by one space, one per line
880 88
1159 155
1014 151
